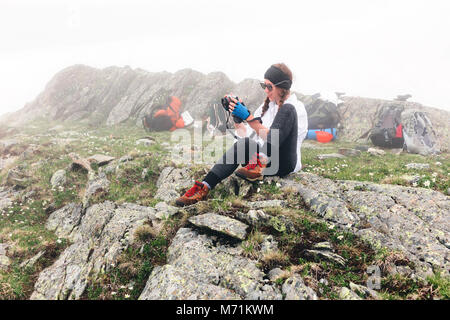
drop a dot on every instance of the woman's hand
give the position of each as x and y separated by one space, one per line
233 103
261 130
238 109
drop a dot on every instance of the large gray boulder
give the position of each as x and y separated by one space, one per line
221 224
169 283
98 235
199 267
415 221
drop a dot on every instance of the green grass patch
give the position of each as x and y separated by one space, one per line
389 168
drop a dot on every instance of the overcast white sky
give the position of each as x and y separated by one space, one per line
371 48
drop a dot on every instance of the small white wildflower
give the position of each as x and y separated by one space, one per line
58 241
113 293
340 238
127 296
438 163
331 227
130 288
371 174
278 184
414 184
426 183
122 287
259 189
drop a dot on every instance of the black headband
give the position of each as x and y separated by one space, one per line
278 78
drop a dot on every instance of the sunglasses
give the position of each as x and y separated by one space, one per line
264 86
269 86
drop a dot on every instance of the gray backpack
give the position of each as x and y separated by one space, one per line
387 132
418 133
322 114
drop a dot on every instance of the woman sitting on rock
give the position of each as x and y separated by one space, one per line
278 128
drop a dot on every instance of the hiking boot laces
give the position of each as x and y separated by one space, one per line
196 188
253 163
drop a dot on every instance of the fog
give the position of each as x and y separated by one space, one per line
376 49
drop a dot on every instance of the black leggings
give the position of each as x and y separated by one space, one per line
240 153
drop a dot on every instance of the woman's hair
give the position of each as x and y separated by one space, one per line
284 92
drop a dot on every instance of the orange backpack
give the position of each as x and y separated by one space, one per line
173 112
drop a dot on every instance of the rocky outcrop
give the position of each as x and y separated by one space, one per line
171 181
114 95
200 266
98 235
206 259
415 221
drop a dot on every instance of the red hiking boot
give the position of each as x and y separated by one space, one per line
253 170
197 193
